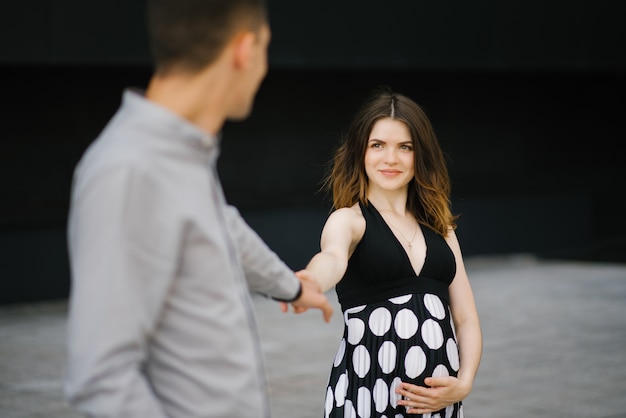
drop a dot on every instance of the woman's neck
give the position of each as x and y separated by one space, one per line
389 201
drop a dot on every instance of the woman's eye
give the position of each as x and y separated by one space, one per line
406 148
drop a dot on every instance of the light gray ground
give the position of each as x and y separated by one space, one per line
554 346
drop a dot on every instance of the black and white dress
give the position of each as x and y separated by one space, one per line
398 325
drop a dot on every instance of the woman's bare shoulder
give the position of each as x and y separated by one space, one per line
351 214
350 218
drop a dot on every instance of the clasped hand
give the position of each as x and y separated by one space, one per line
311 297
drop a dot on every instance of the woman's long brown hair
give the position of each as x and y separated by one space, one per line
429 193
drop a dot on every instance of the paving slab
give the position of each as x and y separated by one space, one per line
554 346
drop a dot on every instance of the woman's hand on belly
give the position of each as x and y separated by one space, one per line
440 393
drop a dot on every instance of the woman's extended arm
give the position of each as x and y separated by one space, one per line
342 231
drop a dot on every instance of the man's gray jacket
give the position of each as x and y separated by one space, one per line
161 322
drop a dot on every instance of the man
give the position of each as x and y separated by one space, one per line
161 322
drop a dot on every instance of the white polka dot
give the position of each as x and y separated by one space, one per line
414 362
432 334
405 324
364 402
328 406
399 416
453 327
387 357
355 309
434 306
461 412
340 352
400 299
449 411
341 389
393 396
428 415
453 354
381 395
441 371
356 329
351 311
361 361
380 321
348 410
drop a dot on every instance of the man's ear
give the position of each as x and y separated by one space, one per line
243 45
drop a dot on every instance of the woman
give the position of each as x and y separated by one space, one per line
412 340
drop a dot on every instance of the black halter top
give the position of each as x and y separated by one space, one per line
380 268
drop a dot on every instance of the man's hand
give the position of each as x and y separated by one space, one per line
311 297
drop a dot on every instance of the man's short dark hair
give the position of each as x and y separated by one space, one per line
190 34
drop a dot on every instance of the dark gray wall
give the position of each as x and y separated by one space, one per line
527 101
419 34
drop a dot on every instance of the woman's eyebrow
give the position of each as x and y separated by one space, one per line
409 142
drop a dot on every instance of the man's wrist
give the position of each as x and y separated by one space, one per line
296 297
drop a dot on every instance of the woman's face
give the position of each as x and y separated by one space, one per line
389 159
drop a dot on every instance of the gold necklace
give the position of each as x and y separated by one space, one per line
400 232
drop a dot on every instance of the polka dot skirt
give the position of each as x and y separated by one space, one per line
402 339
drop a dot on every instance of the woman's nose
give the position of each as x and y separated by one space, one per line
391 157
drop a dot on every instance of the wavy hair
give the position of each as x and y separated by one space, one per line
429 192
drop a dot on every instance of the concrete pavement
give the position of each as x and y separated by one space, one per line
554 346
